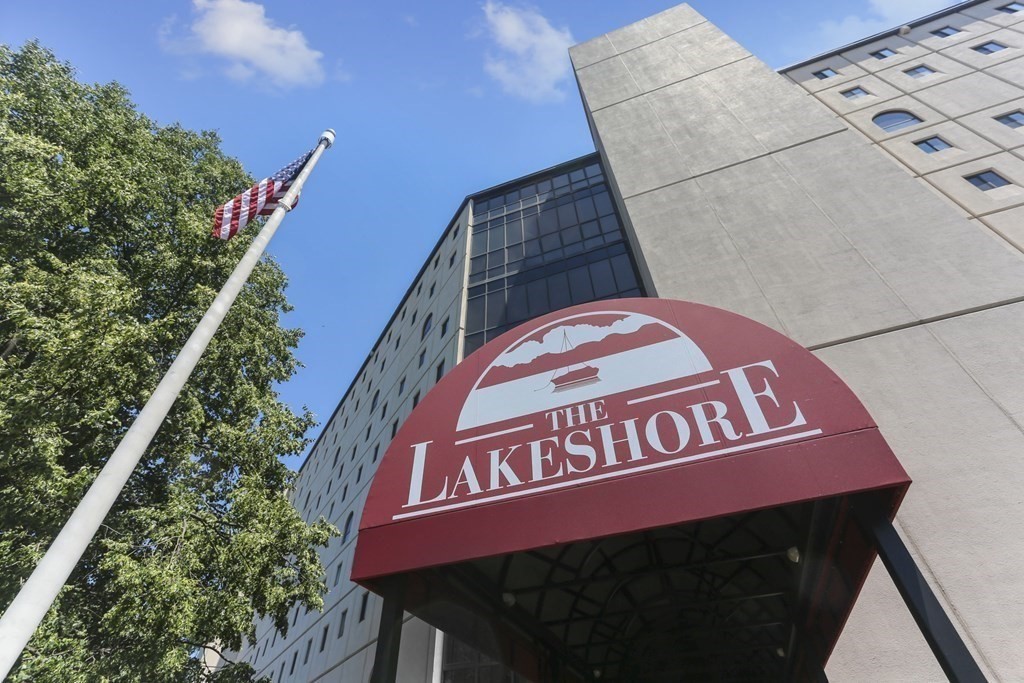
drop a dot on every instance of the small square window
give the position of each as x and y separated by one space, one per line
987 180
1011 8
919 71
945 32
855 93
989 48
827 72
932 145
1015 119
883 53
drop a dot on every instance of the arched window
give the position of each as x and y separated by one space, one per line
426 326
895 120
348 528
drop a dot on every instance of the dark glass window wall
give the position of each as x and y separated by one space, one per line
550 243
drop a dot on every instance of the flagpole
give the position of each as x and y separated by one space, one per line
38 593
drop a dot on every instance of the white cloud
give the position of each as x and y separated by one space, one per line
879 15
241 32
533 60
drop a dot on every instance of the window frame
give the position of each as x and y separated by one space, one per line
980 181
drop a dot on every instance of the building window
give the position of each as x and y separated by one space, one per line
384 411
394 428
1015 119
401 386
295 657
884 53
376 450
280 674
827 72
423 358
919 71
398 341
331 513
362 606
341 622
359 474
348 528
945 32
337 452
451 260
891 121
323 638
368 427
989 47
439 373
337 573
419 288
987 180
444 327
426 326
376 397
413 319
437 260
855 93
431 292
455 233
309 648
415 399
295 617
932 144
1012 8
344 493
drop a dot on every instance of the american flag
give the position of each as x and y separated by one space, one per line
259 200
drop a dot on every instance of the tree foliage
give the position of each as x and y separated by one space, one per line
106 265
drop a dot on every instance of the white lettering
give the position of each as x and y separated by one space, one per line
704 421
419 458
583 449
654 437
752 407
500 467
467 476
538 457
631 438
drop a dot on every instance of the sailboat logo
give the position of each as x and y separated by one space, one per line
580 358
574 376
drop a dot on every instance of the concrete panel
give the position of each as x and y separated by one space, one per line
656 65
606 83
818 284
964 52
936 261
704 47
845 70
691 256
637 147
970 28
904 49
963 453
1009 224
769 107
878 91
944 67
1012 71
988 12
701 123
979 202
591 52
968 94
880 641
862 119
983 123
675 19
633 36
967 146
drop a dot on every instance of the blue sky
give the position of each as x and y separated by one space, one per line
431 100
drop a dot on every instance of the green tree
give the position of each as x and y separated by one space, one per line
106 265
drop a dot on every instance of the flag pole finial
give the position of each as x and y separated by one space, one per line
327 136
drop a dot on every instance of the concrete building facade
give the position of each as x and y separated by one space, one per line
868 203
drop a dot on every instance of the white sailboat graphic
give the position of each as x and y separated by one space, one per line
573 375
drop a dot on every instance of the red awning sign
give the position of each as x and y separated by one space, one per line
613 417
